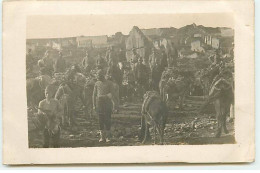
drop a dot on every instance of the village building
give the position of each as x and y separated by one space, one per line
197 45
138 41
92 41
68 42
215 43
227 32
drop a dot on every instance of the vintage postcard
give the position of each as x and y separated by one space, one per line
128 82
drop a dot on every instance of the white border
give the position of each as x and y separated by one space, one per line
15 145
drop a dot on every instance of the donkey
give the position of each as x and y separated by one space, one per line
154 114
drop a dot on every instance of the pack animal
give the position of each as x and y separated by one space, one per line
155 115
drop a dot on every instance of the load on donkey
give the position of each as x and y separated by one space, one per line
222 96
175 85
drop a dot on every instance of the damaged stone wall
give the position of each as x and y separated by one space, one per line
137 40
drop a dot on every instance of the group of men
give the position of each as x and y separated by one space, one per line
114 76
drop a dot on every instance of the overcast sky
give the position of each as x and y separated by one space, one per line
90 25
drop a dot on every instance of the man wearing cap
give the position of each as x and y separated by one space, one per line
60 64
102 103
51 110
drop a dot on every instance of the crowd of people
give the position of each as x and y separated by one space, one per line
116 80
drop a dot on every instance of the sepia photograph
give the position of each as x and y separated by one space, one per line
129 80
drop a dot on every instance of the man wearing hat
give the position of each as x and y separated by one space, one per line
51 110
102 103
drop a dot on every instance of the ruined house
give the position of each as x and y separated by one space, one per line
137 40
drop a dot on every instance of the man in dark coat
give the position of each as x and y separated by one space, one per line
141 76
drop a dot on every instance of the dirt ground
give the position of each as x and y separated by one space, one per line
184 127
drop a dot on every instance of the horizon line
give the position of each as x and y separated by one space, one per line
128 32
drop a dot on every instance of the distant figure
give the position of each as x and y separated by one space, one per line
215 59
163 62
128 84
100 62
154 58
156 73
115 72
122 56
86 63
29 61
60 64
102 103
135 56
141 77
46 64
112 57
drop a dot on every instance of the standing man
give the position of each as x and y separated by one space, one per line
100 62
141 77
112 57
152 58
46 65
86 63
164 62
156 73
122 57
29 62
215 58
60 64
116 76
102 96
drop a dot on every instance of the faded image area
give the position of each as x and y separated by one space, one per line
130 80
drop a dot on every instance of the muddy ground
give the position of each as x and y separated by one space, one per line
184 127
